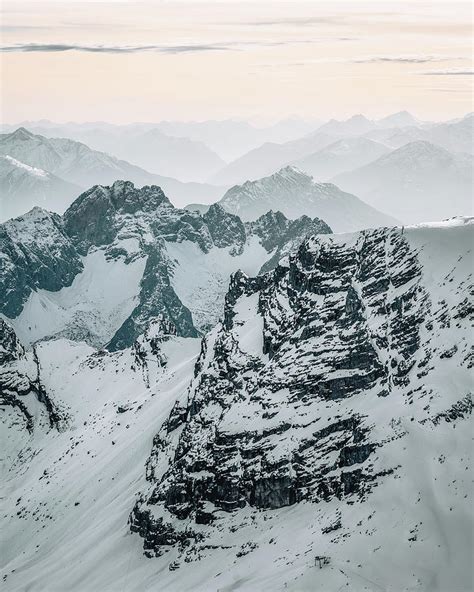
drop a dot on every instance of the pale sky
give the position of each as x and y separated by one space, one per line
152 60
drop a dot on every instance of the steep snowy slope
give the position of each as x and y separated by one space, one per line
295 193
76 163
322 437
120 256
413 180
22 187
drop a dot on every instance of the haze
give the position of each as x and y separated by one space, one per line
148 61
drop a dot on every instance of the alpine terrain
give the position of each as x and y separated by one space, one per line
77 164
317 437
120 256
295 193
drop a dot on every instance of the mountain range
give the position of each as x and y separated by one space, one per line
76 163
320 432
416 181
121 256
294 193
456 136
22 187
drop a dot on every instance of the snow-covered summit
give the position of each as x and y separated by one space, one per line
295 193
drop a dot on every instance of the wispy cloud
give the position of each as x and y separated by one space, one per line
297 22
404 59
176 48
452 72
61 47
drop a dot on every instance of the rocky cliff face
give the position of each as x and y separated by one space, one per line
121 256
323 380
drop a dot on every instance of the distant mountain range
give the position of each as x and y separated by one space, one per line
22 187
77 164
181 158
415 183
295 193
392 132
333 152
214 134
340 156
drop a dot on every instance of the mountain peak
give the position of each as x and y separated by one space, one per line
291 171
418 149
399 119
358 117
21 133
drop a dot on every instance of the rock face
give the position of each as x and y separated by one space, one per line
321 374
320 432
296 193
35 253
20 376
121 256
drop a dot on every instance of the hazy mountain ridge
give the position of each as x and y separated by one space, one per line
415 181
22 187
76 163
295 193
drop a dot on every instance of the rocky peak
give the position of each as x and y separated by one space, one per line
10 346
20 134
225 229
318 387
93 217
36 254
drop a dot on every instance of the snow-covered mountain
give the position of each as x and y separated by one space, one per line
416 181
178 157
294 193
76 163
341 156
320 433
22 187
120 256
214 134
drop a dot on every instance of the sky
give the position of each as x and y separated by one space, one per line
261 60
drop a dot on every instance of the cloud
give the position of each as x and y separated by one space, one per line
298 22
453 72
61 47
167 49
409 59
